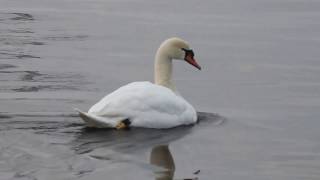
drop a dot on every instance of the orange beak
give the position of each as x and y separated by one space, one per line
192 61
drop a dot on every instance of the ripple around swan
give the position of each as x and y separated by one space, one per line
33 119
90 139
92 146
118 146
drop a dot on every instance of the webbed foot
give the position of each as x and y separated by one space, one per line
124 124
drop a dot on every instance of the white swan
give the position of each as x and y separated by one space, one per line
144 104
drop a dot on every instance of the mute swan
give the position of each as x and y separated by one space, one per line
144 104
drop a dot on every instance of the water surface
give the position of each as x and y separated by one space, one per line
258 92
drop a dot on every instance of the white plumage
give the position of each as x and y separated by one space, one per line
146 104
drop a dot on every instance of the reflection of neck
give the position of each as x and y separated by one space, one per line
161 156
163 70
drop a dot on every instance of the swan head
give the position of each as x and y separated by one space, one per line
179 49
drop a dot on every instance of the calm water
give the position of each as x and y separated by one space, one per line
259 87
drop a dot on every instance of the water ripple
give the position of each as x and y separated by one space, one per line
6 66
22 17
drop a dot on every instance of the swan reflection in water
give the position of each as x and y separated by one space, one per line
160 156
137 140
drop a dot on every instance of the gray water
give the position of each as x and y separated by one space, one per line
259 90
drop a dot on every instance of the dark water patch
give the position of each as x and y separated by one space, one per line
35 43
22 17
44 125
6 66
25 175
58 78
13 43
67 38
41 123
55 99
36 81
19 43
36 76
26 56
31 88
20 31
44 88
22 42
6 55
30 75
47 128
100 157
5 116
84 172
197 172
20 75
16 17
40 115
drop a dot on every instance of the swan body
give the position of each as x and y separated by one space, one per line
146 104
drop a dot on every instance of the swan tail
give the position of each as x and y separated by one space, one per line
95 121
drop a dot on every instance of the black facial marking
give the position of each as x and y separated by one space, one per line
189 52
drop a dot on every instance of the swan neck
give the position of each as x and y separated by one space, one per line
163 70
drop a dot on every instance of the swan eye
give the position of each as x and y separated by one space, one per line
189 52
